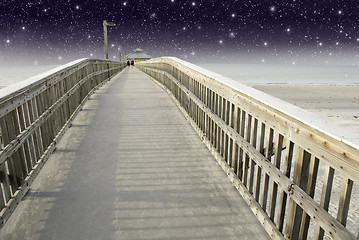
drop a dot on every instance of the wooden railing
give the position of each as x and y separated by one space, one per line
298 174
33 116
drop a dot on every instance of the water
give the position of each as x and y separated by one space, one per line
10 75
256 74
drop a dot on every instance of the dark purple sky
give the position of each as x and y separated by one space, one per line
292 31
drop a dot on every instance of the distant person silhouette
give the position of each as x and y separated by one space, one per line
132 62
128 63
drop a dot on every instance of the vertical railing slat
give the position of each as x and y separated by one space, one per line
277 160
325 197
283 198
259 170
300 177
344 201
266 176
312 179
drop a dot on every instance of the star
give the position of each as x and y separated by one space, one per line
182 27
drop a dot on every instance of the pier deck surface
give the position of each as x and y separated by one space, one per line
131 167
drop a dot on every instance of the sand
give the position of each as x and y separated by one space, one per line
337 104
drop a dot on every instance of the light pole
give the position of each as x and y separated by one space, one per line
105 24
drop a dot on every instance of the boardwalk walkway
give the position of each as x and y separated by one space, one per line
131 167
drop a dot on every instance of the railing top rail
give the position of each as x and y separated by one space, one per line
313 121
18 87
13 88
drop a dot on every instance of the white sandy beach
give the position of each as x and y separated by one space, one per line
338 104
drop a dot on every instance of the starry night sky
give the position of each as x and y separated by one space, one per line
260 31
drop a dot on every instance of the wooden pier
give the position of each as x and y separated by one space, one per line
124 162
131 167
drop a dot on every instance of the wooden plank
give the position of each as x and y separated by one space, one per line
36 139
246 161
25 151
30 138
241 161
227 138
243 123
300 177
234 125
17 166
240 164
277 162
41 106
228 113
259 169
312 179
238 127
325 197
230 151
233 116
223 137
266 176
222 143
2 201
4 179
344 202
253 163
210 130
283 198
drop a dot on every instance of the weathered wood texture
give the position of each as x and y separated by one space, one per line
34 114
270 149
